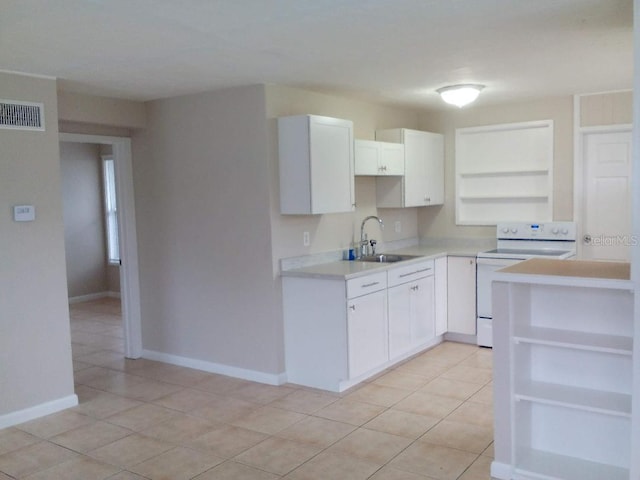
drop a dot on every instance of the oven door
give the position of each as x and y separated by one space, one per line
485 269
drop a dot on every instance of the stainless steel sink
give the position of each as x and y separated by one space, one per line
386 258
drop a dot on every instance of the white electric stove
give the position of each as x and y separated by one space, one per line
518 241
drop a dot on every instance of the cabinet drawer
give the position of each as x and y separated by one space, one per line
363 285
399 275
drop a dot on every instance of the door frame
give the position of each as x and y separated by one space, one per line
128 240
580 134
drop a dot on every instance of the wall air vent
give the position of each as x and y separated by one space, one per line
21 115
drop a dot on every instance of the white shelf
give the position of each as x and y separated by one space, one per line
506 173
595 342
548 466
609 403
485 198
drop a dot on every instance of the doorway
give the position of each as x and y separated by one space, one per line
606 194
129 276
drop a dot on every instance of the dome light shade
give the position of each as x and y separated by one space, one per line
460 95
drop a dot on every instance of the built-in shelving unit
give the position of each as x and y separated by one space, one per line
504 173
568 351
485 198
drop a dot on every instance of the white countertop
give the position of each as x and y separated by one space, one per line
568 272
344 269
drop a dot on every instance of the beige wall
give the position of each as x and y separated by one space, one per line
202 210
35 344
83 212
606 109
334 231
440 221
88 109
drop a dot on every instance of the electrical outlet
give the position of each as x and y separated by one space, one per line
305 239
398 227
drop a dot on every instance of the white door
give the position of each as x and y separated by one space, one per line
606 216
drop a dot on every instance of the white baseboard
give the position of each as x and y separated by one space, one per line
93 296
211 367
37 411
461 338
500 471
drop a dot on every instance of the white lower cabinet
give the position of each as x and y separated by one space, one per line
411 308
461 293
338 333
368 339
441 295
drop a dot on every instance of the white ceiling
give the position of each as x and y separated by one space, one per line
393 51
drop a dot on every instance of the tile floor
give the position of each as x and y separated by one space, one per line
429 418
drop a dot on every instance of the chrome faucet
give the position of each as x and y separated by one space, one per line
364 244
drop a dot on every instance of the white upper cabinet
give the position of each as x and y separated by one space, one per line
379 158
423 180
316 165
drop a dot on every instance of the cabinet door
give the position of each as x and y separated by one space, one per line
366 157
316 165
416 149
434 169
441 295
332 167
461 293
422 310
391 158
367 331
399 320
411 315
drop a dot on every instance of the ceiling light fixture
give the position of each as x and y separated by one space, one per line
460 95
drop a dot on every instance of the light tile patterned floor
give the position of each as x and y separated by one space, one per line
429 418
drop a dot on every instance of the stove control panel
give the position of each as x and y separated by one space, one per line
536 231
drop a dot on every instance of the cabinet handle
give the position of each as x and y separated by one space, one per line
415 288
366 285
352 307
402 275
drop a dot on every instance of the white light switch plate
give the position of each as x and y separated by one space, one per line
24 213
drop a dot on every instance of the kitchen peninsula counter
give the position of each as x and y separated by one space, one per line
563 356
568 272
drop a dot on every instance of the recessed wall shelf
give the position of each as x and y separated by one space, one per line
508 168
488 198
505 173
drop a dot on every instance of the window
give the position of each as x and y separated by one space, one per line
111 210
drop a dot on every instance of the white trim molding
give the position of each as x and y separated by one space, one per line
129 273
211 367
93 296
579 134
37 411
501 471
